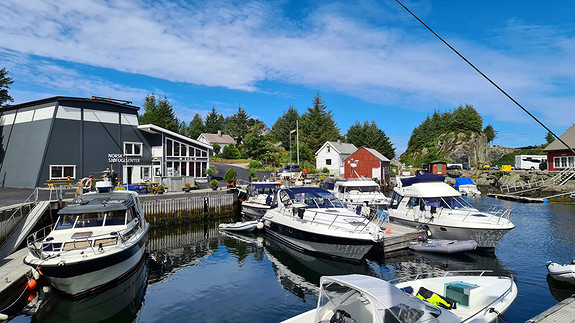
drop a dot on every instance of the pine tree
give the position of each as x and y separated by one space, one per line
214 122
5 83
196 127
160 113
237 125
369 135
490 133
283 125
317 126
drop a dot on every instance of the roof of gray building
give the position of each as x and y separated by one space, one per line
218 138
341 147
110 101
377 154
568 137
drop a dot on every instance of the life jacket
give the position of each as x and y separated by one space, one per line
435 299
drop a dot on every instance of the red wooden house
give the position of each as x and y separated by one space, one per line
367 162
437 167
560 157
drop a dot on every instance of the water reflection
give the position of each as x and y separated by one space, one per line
559 289
120 303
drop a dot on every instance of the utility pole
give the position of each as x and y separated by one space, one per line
297 138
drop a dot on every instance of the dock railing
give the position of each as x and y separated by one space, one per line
8 225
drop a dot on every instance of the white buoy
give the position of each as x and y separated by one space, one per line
260 225
35 274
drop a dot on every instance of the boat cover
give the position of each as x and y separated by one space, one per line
260 185
102 202
463 181
424 178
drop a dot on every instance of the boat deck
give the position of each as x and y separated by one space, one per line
518 198
562 312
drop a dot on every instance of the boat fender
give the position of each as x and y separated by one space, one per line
35 273
31 284
435 299
341 316
3 317
260 225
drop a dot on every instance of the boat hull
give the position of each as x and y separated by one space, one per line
444 246
254 211
239 226
79 278
565 273
320 244
485 238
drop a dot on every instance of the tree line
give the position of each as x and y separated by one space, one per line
463 118
270 145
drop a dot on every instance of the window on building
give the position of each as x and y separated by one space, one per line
328 161
328 149
184 169
204 153
169 149
191 168
184 150
133 148
563 162
62 171
176 149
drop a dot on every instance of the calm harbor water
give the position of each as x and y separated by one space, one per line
197 274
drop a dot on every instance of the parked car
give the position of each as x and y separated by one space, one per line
289 170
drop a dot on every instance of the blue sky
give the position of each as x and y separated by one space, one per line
369 60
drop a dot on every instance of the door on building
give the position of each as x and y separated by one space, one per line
376 173
128 172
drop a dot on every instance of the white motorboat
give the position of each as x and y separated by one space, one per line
564 273
427 199
359 191
444 246
359 298
466 186
311 219
98 239
247 226
259 196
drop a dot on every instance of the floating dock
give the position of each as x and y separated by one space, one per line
13 277
400 237
517 198
562 312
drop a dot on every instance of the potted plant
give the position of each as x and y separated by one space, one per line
160 189
214 184
187 187
209 173
230 177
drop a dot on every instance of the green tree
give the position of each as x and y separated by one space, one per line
159 112
237 125
549 138
230 175
369 135
283 125
217 148
196 127
214 122
317 125
256 143
231 152
5 83
490 133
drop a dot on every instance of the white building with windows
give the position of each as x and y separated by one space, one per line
332 156
71 138
217 138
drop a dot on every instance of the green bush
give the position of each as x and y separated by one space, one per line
214 182
119 188
230 175
209 172
255 179
325 170
255 164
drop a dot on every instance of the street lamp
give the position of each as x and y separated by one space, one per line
290 145
352 163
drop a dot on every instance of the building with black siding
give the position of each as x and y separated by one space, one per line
53 138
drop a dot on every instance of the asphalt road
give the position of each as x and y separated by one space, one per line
243 173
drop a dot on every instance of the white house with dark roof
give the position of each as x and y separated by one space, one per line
216 138
332 156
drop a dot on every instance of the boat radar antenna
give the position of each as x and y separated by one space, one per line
486 77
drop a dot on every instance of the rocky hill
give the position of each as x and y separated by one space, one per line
465 147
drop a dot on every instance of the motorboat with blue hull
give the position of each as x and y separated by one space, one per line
97 239
428 200
258 198
311 219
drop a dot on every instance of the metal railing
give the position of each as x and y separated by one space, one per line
7 228
363 222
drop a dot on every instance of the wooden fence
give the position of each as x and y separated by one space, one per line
168 211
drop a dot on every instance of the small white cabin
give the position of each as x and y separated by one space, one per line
332 156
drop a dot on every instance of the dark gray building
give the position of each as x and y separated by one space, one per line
58 137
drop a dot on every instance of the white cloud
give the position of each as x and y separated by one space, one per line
237 45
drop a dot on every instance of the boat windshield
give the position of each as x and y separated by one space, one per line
363 189
450 202
322 203
86 220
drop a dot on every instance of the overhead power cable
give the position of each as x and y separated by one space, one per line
485 76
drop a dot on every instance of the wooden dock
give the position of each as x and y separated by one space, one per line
400 237
13 277
563 312
517 198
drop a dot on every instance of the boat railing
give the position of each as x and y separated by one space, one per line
319 218
36 240
495 212
441 273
